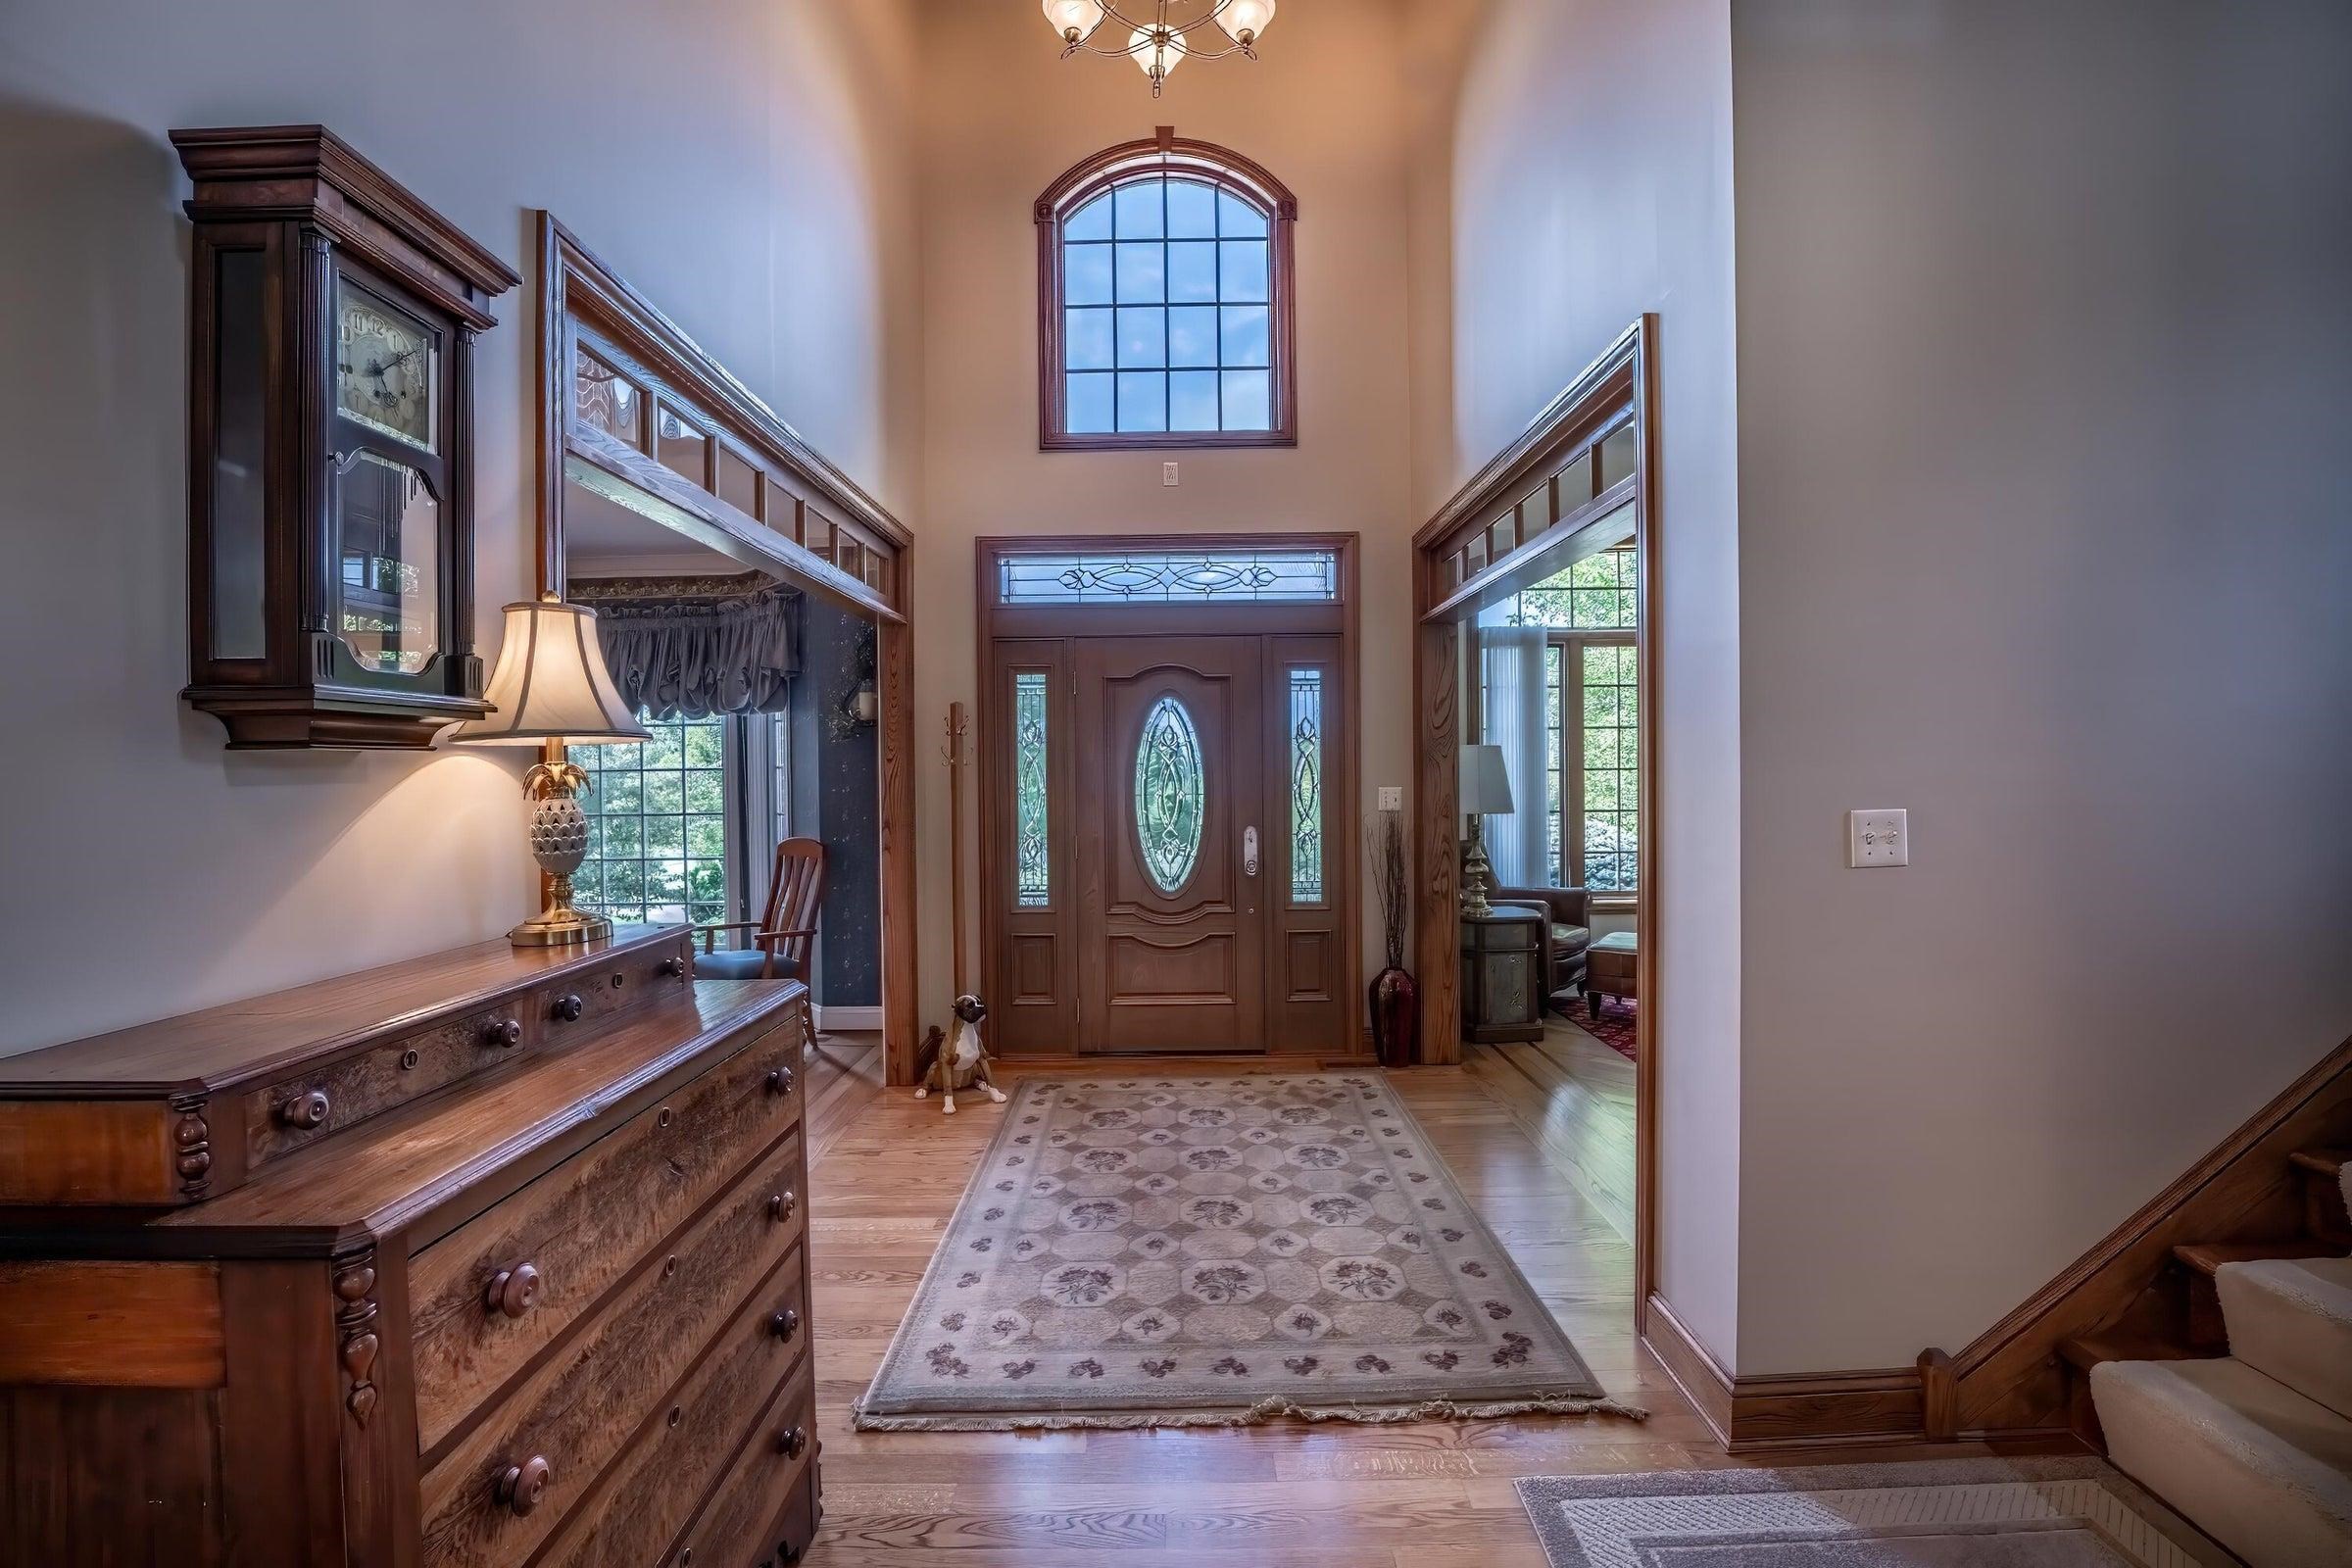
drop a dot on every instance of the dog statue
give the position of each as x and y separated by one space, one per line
961 1063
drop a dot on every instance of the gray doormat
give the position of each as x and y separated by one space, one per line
1947 1513
1162 1251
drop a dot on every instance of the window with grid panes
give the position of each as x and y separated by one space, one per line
1592 733
657 825
1168 312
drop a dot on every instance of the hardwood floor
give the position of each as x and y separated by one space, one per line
1530 1134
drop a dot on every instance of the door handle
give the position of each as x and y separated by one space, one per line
1249 852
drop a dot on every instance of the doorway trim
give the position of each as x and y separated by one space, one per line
1616 389
994 622
814 526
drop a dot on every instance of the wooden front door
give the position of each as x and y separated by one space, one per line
1128 753
1170 811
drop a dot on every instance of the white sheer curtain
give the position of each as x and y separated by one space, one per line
1512 708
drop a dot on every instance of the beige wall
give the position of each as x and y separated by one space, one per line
2045 366
1587 179
1002 118
746 162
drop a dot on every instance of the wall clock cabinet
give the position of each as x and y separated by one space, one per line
330 441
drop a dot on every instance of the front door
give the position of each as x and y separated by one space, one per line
1167 781
1170 811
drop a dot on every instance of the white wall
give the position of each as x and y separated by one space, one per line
2045 374
1002 117
745 162
1589 180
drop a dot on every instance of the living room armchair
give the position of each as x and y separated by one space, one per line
1568 931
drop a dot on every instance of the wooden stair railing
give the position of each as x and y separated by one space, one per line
2177 1317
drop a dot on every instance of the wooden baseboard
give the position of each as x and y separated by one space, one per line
2010 1384
1693 1368
1753 1414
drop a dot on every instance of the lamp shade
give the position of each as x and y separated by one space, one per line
1073 18
1245 19
1485 782
1158 50
551 684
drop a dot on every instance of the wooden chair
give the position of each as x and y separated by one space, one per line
777 947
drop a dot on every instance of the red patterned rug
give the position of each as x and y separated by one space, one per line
1614 1028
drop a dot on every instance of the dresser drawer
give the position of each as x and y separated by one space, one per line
486 1297
585 1406
730 1415
591 993
765 1511
342 1095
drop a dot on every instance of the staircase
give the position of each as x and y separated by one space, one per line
2228 1391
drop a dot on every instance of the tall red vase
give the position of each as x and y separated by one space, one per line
1396 1018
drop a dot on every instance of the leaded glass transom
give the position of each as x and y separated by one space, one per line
1306 786
1170 795
1167 302
1166 577
1033 883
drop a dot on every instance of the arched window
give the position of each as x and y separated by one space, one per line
1165 301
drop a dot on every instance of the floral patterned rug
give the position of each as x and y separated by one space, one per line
1165 1250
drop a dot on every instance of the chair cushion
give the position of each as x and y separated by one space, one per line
1569 938
741 964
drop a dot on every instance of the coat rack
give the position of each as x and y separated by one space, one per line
957 760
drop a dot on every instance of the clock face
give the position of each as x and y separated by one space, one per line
384 367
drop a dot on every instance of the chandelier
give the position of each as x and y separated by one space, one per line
1160 45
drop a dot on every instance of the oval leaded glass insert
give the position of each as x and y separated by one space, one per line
1170 795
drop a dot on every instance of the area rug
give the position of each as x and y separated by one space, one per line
1951 1513
1182 1251
1614 1028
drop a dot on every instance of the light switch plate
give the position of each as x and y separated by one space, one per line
1392 797
1880 836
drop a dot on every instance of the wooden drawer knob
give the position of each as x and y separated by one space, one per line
504 1032
785 1324
779 1082
781 1205
569 1006
512 1291
522 1487
305 1110
790 1441
672 966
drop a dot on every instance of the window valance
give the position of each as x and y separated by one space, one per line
694 647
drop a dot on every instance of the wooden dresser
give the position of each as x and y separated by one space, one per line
494 1257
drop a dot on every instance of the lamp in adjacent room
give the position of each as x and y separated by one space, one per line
1485 791
551 684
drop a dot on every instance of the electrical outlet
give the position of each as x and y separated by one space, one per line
1392 797
1167 474
1879 837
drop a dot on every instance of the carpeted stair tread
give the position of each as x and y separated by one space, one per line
2088 1350
2262 1469
2292 1319
2207 1256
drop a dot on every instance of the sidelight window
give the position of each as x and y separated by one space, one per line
1306 786
1033 877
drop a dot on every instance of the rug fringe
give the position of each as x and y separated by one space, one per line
1263 1412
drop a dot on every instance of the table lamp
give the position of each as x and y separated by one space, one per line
1486 791
551 684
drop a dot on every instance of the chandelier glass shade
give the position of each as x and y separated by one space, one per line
1163 37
